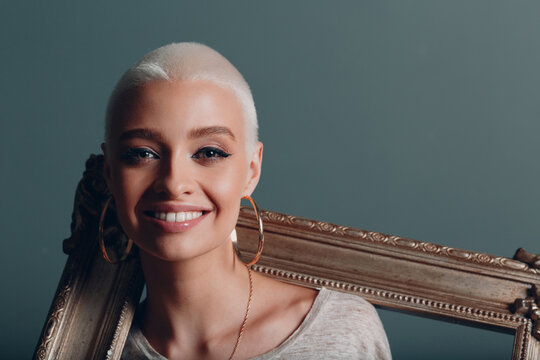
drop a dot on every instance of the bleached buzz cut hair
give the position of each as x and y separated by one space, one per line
185 61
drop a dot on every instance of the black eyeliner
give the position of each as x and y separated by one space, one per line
203 152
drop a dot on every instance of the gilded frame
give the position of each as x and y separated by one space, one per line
95 301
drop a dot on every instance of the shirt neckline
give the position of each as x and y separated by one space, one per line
144 346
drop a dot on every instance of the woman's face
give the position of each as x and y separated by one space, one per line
177 168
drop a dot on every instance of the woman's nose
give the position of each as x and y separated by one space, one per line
175 179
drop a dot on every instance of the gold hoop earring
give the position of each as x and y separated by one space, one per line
102 240
261 235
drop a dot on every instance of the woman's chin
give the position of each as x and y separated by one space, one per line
176 249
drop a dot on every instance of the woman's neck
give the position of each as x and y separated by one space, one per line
194 303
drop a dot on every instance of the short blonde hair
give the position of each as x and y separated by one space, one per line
185 61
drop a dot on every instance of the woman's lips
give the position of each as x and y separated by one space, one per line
175 221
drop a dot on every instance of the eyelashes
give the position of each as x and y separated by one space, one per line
205 155
210 153
135 156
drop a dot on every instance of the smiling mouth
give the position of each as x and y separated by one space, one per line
175 216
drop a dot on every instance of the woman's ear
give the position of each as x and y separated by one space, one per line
254 172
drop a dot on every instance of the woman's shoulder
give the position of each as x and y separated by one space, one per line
349 325
338 326
354 306
345 312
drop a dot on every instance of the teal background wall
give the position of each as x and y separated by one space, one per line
415 118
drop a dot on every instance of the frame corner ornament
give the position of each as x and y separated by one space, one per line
91 197
533 260
530 308
91 194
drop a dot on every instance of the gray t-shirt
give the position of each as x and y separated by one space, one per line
338 326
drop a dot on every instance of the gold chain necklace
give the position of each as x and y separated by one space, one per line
241 332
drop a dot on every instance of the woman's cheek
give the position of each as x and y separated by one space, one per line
229 184
126 198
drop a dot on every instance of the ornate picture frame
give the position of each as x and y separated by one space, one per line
95 301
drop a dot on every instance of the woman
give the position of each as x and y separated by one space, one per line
181 150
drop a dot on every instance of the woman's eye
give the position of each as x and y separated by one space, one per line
137 155
211 153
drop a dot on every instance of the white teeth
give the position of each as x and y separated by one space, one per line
181 217
177 217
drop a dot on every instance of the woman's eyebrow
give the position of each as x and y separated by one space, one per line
141 134
210 130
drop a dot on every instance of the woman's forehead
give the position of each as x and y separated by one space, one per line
192 107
